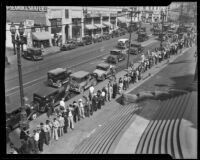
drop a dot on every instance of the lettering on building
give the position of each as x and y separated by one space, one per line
27 8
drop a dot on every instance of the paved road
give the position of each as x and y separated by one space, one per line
34 85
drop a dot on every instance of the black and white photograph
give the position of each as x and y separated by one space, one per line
101 80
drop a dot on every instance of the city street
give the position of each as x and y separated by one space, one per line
185 66
35 75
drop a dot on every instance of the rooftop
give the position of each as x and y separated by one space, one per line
79 74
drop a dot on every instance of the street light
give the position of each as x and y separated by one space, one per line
13 31
19 41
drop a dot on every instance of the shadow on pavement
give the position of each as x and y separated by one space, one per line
184 61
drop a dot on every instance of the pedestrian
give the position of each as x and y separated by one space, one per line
94 102
55 129
13 150
120 85
115 88
99 99
81 108
48 126
23 135
41 139
31 145
43 126
61 124
86 106
65 116
36 141
62 105
103 94
110 91
76 112
24 147
105 89
91 92
125 82
70 117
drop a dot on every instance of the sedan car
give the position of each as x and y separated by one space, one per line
115 56
136 48
33 54
103 71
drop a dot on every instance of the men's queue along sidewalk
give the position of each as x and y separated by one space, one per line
153 70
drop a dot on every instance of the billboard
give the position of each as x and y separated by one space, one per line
27 8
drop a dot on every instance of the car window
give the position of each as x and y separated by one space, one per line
115 52
102 68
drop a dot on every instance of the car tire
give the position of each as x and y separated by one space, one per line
34 116
81 90
103 77
59 84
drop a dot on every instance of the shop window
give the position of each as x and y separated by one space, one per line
66 13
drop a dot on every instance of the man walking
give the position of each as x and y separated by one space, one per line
70 117
81 109
55 129
91 92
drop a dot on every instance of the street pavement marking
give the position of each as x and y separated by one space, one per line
91 133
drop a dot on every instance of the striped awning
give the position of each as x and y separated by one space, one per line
40 36
107 24
90 26
100 26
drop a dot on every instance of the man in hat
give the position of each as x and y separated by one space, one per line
36 139
81 108
99 99
44 127
94 102
115 88
62 104
65 116
30 142
41 139
91 92
76 110
70 117
49 130
61 124
55 129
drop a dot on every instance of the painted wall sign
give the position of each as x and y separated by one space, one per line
27 8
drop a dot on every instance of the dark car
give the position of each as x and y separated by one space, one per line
97 38
58 77
106 36
13 114
142 36
136 48
43 97
115 56
33 54
87 40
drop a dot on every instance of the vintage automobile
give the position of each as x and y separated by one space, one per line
103 71
87 40
80 42
122 31
136 48
123 43
142 36
80 81
97 38
13 116
33 54
58 77
106 36
70 44
162 35
115 56
156 31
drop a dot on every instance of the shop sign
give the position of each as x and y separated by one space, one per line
27 8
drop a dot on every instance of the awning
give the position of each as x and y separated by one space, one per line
100 26
90 26
40 36
107 24
123 19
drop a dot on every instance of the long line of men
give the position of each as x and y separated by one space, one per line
66 116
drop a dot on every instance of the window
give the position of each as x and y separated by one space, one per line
66 13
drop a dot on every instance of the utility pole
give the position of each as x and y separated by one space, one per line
130 30
130 38
180 16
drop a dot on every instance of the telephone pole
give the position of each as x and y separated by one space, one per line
130 31
180 16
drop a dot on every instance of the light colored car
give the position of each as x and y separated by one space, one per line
80 81
103 71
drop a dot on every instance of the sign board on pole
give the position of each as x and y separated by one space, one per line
28 25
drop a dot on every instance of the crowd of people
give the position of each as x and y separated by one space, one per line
65 116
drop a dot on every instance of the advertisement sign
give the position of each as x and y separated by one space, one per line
27 8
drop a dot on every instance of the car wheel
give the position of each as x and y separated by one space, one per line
81 90
103 77
34 116
59 84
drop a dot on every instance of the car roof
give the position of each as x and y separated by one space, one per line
34 49
116 50
122 40
57 71
45 91
103 65
79 74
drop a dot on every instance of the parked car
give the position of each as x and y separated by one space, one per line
142 36
68 45
33 54
106 36
123 42
97 38
136 48
58 77
162 35
13 117
80 42
115 56
103 71
80 81
87 40
122 31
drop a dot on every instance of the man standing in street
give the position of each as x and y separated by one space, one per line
76 115
41 139
61 124
55 129
70 117
62 105
44 127
81 108
91 92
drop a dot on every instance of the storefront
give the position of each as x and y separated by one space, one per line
41 39
76 28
